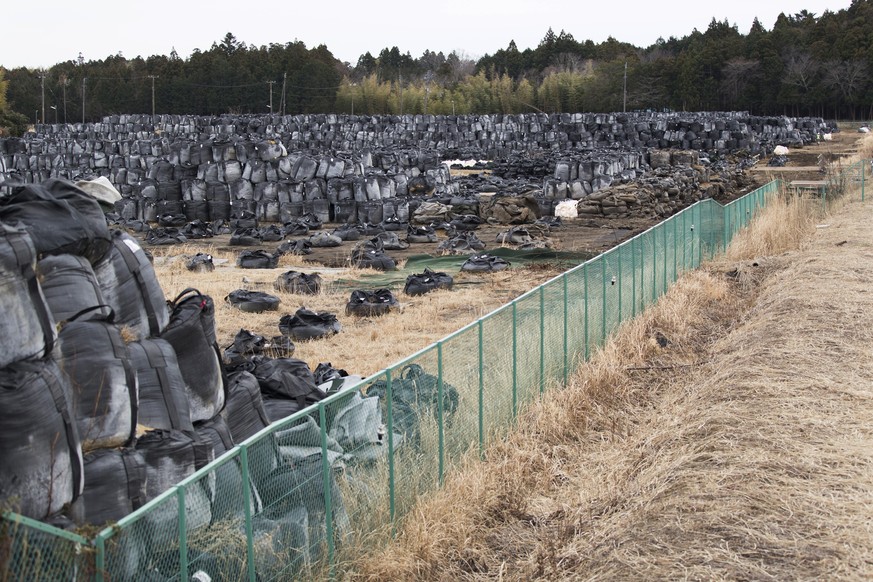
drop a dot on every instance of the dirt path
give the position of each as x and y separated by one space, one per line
741 450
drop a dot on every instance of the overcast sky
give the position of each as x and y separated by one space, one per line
52 31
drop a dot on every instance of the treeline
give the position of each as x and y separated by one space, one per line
806 65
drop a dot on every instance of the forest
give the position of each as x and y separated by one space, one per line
805 65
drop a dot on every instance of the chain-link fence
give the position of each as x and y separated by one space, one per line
308 494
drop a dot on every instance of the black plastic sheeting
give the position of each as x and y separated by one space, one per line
26 328
39 444
70 286
191 332
163 398
287 378
103 379
115 485
306 324
61 218
129 285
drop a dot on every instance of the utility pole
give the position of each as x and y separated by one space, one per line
624 92
83 99
42 84
427 77
64 83
282 101
153 77
270 83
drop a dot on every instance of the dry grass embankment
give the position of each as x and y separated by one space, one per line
743 449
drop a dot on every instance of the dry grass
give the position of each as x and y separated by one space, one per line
366 345
741 450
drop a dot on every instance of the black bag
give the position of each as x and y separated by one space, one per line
103 381
271 233
252 301
294 229
197 229
299 283
163 397
462 243
170 456
420 234
115 485
60 217
165 236
248 237
485 263
245 406
295 247
191 332
306 324
129 285
70 285
369 303
257 260
466 222
421 283
311 221
370 254
174 220
287 378
200 263
40 451
26 328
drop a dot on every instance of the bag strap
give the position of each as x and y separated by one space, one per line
135 268
24 255
109 318
123 354
188 291
136 477
76 464
158 363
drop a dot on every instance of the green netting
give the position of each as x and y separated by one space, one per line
308 495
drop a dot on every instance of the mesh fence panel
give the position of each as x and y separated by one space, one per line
308 495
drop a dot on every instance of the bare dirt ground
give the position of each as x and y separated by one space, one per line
743 449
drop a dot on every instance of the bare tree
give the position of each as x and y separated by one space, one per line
801 70
736 76
846 77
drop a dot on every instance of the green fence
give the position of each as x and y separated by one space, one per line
308 494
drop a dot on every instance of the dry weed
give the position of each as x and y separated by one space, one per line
727 433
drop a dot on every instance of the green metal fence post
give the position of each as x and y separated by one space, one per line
389 399
247 511
603 301
585 283
542 339
183 533
481 392
514 359
654 265
325 479
675 222
566 329
100 559
633 277
685 239
441 429
617 281
664 230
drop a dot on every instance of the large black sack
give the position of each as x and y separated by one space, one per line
200 263
103 379
163 397
40 451
252 301
421 283
257 260
170 456
364 303
26 328
245 406
70 285
287 378
191 332
60 217
297 282
485 263
129 285
306 324
115 485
